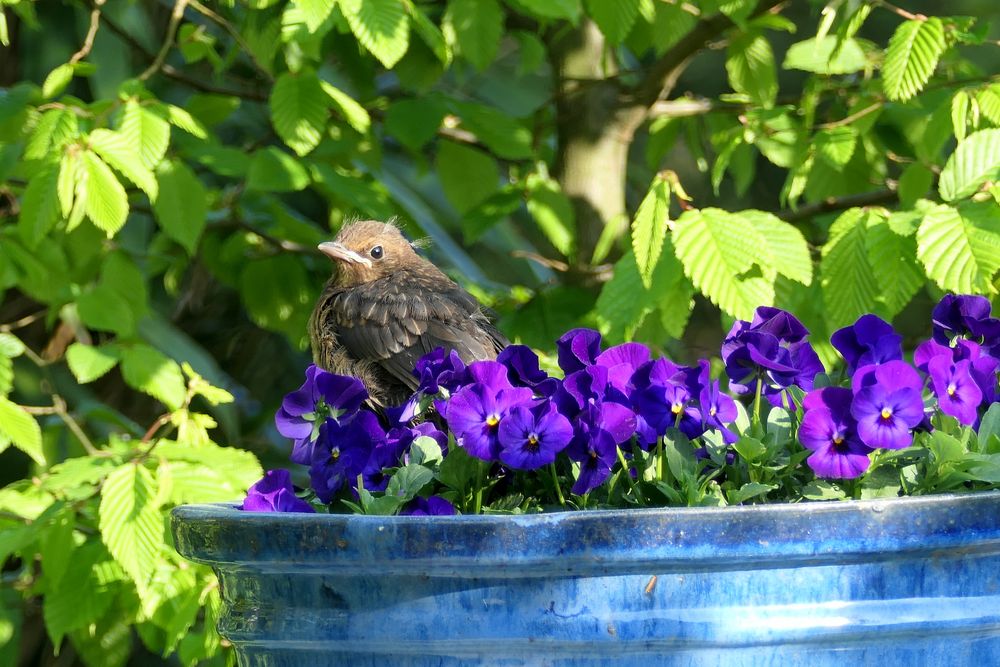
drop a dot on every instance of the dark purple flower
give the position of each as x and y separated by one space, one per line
523 371
870 340
474 411
274 493
957 393
577 349
983 367
622 361
322 396
343 451
830 431
437 370
432 506
669 405
717 409
773 350
531 437
887 404
967 316
596 457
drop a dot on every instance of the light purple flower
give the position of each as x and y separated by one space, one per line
577 349
531 437
830 431
887 404
957 393
274 493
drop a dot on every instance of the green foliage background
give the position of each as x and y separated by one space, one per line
651 168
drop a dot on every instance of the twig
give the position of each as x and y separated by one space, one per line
847 120
22 322
899 11
60 409
832 204
168 41
554 264
234 33
88 41
156 425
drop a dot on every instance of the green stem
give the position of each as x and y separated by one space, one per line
756 406
477 507
555 483
659 458
628 476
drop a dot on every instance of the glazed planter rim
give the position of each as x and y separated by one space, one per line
667 539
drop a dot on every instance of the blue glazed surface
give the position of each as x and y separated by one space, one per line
911 581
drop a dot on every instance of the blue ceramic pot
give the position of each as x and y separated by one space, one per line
890 582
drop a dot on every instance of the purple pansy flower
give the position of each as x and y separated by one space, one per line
523 371
957 393
474 411
830 431
274 493
322 396
596 459
965 315
531 437
577 349
982 367
870 340
717 409
887 404
343 451
431 506
622 361
436 370
771 349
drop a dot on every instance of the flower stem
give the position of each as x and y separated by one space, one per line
628 475
659 458
555 483
477 507
756 407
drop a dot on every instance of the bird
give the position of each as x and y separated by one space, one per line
385 306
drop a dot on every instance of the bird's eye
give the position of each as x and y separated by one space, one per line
376 252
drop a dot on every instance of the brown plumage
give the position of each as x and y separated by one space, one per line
385 307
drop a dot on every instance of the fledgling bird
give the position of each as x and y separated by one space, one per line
385 306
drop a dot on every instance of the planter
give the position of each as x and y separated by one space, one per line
911 581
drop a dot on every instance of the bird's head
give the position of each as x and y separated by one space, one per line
368 250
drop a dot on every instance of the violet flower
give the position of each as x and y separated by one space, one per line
523 370
622 361
531 437
983 367
829 430
474 411
870 340
773 350
274 493
322 396
957 393
887 404
577 349
965 315
717 409
343 452
436 370
431 506
596 458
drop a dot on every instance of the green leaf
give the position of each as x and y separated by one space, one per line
650 228
11 346
87 362
130 521
429 33
150 371
836 146
54 130
748 491
468 175
718 250
183 207
238 467
893 258
66 185
553 9
785 248
414 121
615 19
273 170
281 305
19 427
408 480
382 27
66 608
104 309
817 56
958 248
39 206
107 202
914 184
960 114
57 545
180 118
989 103
299 110
553 213
625 302
315 12
911 57
974 162
750 65
503 135
57 80
846 275
113 147
475 27
990 424
347 106
146 132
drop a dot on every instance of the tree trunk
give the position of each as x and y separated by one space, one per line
594 133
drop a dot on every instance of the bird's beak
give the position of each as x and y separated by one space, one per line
338 252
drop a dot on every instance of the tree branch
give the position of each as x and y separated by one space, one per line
234 33
175 20
663 75
833 204
88 41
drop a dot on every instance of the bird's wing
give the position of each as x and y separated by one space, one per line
395 321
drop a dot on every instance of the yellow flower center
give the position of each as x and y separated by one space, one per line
886 413
532 439
837 439
676 408
712 411
951 390
492 420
